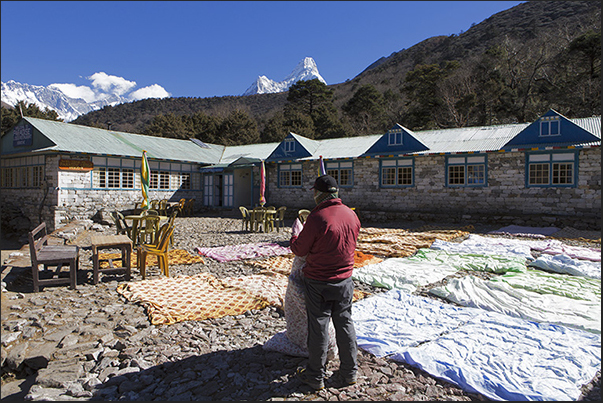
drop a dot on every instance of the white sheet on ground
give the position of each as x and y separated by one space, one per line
506 358
535 232
490 246
498 296
555 247
471 261
502 358
394 320
566 285
566 264
401 273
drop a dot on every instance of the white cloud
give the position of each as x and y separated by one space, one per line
111 84
152 91
73 91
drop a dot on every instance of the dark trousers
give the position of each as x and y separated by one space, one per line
326 301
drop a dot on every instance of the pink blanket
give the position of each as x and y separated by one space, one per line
243 251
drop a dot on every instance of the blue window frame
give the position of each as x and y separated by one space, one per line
342 171
290 175
552 169
466 171
397 173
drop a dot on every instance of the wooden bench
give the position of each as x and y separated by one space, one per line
58 256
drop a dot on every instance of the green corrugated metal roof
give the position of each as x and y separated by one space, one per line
69 137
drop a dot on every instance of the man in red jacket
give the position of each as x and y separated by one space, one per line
328 240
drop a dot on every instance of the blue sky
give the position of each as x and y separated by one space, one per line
206 48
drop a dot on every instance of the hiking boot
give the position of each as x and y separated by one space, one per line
350 380
302 375
344 381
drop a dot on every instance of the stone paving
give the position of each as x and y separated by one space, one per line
92 344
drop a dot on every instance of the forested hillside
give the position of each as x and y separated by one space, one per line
512 67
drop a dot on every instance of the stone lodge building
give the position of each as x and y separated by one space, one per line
543 173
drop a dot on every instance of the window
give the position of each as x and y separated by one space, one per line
394 137
466 170
113 173
290 175
550 126
397 172
289 145
342 172
127 178
552 169
164 180
23 172
185 181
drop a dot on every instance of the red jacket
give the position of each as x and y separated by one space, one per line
328 239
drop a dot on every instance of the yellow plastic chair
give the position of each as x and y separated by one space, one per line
303 214
162 209
258 216
246 218
279 218
121 226
148 227
159 249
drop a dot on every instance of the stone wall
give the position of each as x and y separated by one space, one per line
506 200
67 195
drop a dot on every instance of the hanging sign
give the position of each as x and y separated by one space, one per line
76 165
22 136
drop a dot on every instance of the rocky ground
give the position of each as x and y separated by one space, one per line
92 344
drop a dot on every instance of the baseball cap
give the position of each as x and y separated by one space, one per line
325 184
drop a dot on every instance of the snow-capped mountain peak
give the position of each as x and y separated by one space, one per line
70 101
305 70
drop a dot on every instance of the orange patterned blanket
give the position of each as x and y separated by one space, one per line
175 256
168 300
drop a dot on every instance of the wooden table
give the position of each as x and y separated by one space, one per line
121 242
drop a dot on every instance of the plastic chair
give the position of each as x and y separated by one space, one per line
162 209
148 227
188 207
258 216
159 249
180 207
246 218
279 218
303 214
121 226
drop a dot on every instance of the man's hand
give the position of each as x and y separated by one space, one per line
297 227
